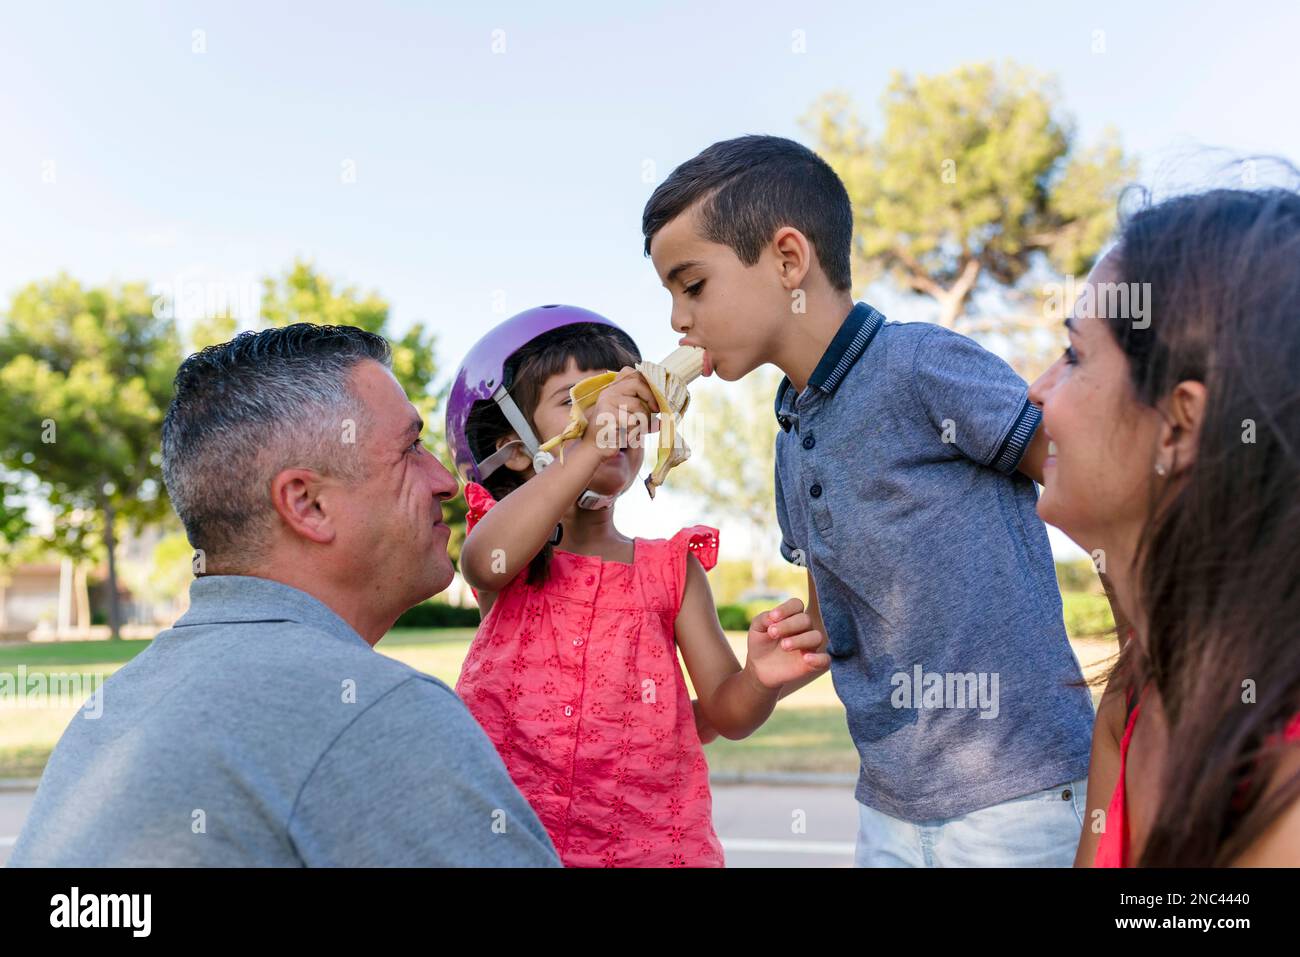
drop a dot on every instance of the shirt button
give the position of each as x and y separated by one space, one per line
809 441
577 642
815 491
568 710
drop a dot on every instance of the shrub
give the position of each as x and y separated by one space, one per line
733 617
437 614
1078 575
1087 615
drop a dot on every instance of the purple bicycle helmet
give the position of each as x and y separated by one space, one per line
482 376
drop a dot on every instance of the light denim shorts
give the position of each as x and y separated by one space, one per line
1040 829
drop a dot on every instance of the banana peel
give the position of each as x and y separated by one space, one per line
668 381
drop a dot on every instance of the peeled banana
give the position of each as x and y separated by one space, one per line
668 380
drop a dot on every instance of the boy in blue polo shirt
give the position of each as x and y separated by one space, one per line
905 468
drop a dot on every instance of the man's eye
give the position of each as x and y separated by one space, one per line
1071 357
693 290
416 446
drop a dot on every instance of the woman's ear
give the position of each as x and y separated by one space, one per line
520 461
1184 411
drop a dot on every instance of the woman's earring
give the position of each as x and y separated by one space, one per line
557 535
1160 468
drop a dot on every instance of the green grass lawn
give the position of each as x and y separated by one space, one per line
807 732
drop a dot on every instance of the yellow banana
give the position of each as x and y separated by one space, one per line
668 380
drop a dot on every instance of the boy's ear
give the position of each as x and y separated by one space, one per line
520 460
793 256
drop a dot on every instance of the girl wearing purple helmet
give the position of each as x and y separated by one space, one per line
574 671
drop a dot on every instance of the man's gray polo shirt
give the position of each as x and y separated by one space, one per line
261 729
896 484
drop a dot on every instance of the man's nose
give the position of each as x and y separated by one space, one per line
445 485
679 322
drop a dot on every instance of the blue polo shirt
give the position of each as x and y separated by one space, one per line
262 731
896 485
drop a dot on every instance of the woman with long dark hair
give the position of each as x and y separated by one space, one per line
1174 416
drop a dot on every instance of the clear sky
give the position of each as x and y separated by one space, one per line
501 153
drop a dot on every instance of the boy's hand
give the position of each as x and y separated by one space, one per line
784 646
622 414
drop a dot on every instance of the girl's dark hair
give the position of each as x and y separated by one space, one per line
1218 566
591 346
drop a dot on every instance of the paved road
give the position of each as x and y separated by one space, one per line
781 826
760 825
13 811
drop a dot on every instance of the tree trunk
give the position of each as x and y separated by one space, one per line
760 562
950 310
953 303
65 597
110 542
82 590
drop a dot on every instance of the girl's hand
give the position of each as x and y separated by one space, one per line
621 415
784 645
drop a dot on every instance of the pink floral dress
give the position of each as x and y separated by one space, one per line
577 683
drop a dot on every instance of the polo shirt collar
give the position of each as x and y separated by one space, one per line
850 342
243 599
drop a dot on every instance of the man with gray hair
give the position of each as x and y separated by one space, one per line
263 728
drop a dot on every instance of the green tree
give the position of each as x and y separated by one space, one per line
210 330
14 526
301 294
14 531
977 177
167 572
86 376
732 435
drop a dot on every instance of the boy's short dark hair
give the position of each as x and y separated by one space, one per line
751 187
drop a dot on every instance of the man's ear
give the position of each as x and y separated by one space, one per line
793 256
1184 411
520 460
295 494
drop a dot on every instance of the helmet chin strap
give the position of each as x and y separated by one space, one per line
528 439
588 499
